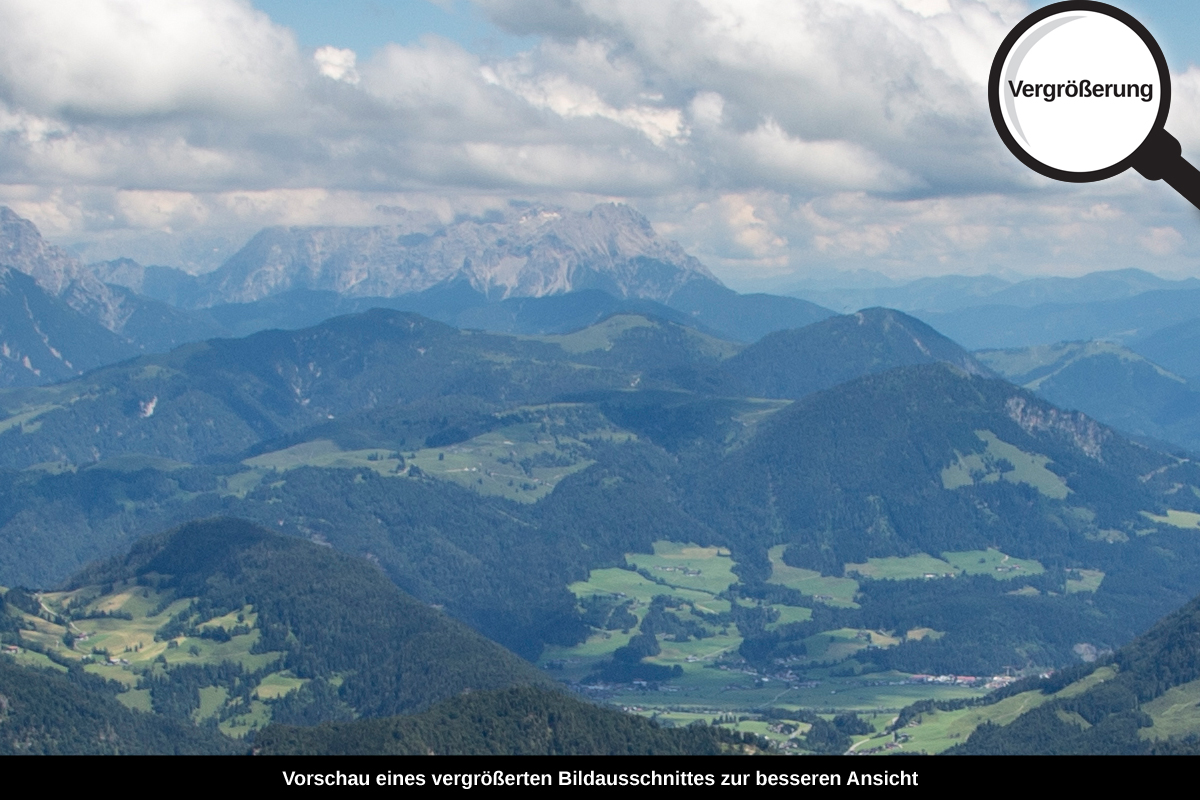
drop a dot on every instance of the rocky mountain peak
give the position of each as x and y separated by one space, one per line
22 247
523 250
59 273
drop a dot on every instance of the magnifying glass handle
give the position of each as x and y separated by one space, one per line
1161 158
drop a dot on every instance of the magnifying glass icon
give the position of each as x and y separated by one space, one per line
1079 91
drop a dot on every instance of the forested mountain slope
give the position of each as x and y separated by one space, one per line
1142 701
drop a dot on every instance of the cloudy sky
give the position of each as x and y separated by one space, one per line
777 141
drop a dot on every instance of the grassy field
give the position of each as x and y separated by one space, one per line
789 614
935 731
1003 461
688 566
906 568
713 692
626 583
994 563
715 681
1084 580
1176 519
600 336
838 592
317 453
518 462
603 335
1175 713
324 453
522 461
26 417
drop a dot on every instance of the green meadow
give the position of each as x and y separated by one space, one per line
1176 712
935 731
994 563
523 461
1003 461
903 568
1176 519
838 592
1084 580
707 569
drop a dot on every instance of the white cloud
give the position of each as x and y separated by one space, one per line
1164 241
122 58
769 137
337 64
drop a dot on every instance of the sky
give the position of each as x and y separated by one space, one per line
779 142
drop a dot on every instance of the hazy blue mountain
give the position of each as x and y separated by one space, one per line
42 339
458 272
883 465
1176 347
144 324
165 284
1108 382
940 293
1090 288
1122 320
743 317
794 363
927 459
218 398
456 305
956 292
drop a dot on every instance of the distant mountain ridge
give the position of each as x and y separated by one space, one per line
1108 382
948 293
523 251
457 272
794 363
43 339
138 323
530 269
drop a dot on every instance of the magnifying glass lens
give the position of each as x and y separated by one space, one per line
1079 92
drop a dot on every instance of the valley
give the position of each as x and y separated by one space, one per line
830 532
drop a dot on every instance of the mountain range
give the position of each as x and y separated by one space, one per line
1110 383
527 270
428 447
553 437
951 293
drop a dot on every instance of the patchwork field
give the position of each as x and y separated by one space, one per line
522 461
113 634
1084 580
711 680
906 568
708 569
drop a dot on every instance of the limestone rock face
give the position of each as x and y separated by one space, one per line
59 273
525 251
